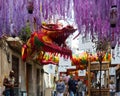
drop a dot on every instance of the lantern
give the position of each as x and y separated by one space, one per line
30 7
12 30
113 44
113 16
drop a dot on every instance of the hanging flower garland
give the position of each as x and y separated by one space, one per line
81 60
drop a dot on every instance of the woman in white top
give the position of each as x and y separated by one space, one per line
60 87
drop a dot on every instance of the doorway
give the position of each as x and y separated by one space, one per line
29 82
15 68
38 82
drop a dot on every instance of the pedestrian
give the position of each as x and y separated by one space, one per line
112 88
72 86
9 83
80 87
60 87
83 89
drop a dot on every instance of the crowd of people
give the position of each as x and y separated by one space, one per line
63 87
76 87
72 87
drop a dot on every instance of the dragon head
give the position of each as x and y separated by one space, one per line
57 33
51 38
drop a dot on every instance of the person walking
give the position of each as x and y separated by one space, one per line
72 86
80 87
9 84
60 87
83 89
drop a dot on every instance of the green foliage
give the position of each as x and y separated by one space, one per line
25 32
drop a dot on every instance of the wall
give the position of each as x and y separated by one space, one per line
33 80
6 66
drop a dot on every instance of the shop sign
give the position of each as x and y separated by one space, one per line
64 68
82 73
49 68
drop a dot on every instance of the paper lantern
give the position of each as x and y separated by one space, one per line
113 44
113 16
30 7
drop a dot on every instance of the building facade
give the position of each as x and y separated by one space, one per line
28 74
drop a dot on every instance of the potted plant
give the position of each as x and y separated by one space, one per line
25 32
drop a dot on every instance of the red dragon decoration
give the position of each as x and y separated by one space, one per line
51 38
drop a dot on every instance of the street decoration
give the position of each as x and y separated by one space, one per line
48 58
113 16
51 38
88 14
81 60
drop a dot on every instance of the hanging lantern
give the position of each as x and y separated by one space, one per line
30 7
113 44
113 16
12 30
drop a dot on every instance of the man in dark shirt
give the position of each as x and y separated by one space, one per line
72 83
9 83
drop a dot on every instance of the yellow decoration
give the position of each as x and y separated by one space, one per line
46 39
